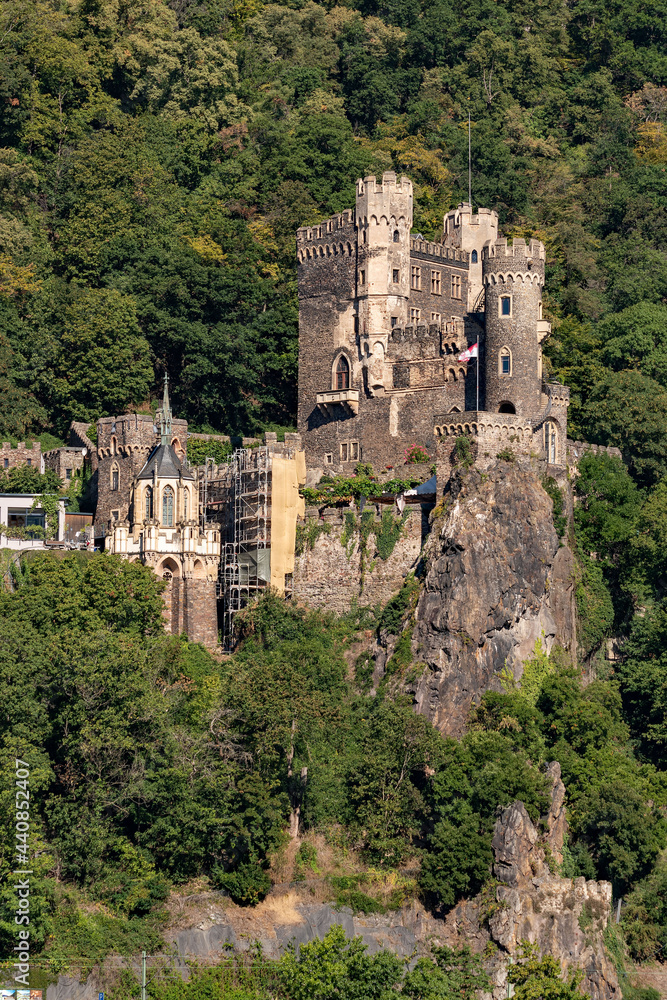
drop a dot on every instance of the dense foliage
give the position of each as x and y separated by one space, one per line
156 158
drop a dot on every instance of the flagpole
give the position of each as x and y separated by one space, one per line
469 168
477 367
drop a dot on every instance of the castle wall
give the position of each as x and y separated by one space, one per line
11 457
329 575
437 295
191 607
64 462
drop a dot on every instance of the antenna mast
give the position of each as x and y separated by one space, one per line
469 167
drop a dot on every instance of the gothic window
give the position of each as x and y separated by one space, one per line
505 305
473 257
397 236
186 498
416 277
504 362
550 441
168 507
115 477
362 277
342 379
456 286
148 503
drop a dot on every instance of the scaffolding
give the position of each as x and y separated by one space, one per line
241 499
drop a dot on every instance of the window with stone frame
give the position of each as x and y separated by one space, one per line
342 374
115 477
168 507
148 503
435 317
186 502
505 361
328 459
354 451
436 284
456 286
415 315
505 305
416 277
395 275
473 257
344 452
362 277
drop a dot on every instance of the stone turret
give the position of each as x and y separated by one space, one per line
470 233
383 220
513 278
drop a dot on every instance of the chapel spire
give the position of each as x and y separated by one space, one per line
163 416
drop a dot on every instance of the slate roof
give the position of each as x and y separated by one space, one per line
166 462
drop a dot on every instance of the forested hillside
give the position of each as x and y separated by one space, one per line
156 159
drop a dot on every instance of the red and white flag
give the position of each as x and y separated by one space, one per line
472 352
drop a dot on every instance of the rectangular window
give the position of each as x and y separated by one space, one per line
505 305
362 277
343 452
29 461
435 317
505 364
416 277
456 286
394 321
114 479
354 451
435 283
6 463
415 315
68 473
328 459
394 275
115 515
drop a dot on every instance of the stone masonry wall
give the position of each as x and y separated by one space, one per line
329 575
11 457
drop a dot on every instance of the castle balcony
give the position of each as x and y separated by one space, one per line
347 398
543 329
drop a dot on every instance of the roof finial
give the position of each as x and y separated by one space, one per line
163 416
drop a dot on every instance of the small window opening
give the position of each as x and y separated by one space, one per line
505 305
395 275
473 257
397 236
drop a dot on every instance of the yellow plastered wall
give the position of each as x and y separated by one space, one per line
286 506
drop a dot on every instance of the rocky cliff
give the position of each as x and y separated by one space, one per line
497 580
564 917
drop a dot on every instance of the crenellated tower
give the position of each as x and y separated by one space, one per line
471 233
513 276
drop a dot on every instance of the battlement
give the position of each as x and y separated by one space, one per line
519 250
389 184
11 457
437 251
558 394
311 234
463 215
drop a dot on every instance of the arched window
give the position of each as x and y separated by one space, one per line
148 503
168 507
115 476
550 441
473 257
507 408
342 380
504 362
186 499
397 236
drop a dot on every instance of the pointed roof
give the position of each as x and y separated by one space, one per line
164 463
163 415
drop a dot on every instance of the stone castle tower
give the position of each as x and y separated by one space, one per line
384 317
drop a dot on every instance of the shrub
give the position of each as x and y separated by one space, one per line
463 451
507 455
248 884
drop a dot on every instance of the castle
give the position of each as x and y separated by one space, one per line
401 342
385 319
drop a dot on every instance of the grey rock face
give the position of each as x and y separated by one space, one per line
494 562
